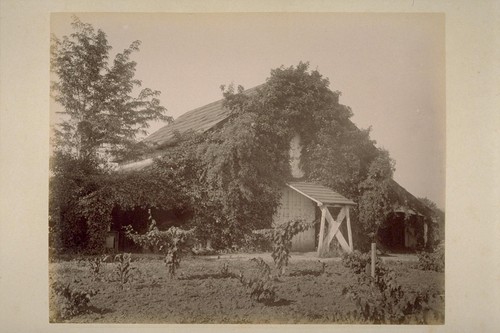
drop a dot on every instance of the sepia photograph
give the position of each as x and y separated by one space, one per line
247 168
264 166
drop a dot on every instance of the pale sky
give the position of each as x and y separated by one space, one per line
390 69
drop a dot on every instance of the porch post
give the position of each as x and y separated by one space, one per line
321 230
349 231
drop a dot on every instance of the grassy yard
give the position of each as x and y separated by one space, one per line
207 290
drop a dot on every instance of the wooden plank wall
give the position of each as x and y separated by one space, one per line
295 205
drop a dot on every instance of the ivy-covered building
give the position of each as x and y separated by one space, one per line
406 228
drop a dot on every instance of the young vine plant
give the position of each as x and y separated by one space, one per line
123 269
282 241
173 242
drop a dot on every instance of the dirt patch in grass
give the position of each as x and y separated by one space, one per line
202 293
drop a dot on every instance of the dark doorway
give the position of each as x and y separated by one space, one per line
138 218
401 233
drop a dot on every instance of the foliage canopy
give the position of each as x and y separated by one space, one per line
101 113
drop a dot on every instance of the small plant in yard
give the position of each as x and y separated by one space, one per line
263 267
224 271
177 245
70 303
359 262
356 261
123 269
282 241
382 299
96 265
323 267
260 287
173 242
172 261
431 261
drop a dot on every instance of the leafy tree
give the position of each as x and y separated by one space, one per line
100 113
100 119
69 182
375 203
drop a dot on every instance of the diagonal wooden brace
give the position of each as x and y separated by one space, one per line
333 230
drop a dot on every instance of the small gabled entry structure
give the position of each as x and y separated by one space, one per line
299 200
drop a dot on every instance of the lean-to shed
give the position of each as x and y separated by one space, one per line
302 200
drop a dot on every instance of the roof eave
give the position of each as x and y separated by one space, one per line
320 203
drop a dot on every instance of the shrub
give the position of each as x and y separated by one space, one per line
263 268
172 261
382 299
356 261
123 269
260 287
70 303
359 262
282 241
173 242
431 261
96 265
224 270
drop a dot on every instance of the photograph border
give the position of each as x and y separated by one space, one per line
471 197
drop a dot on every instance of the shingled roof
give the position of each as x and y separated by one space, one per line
320 194
409 201
198 120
